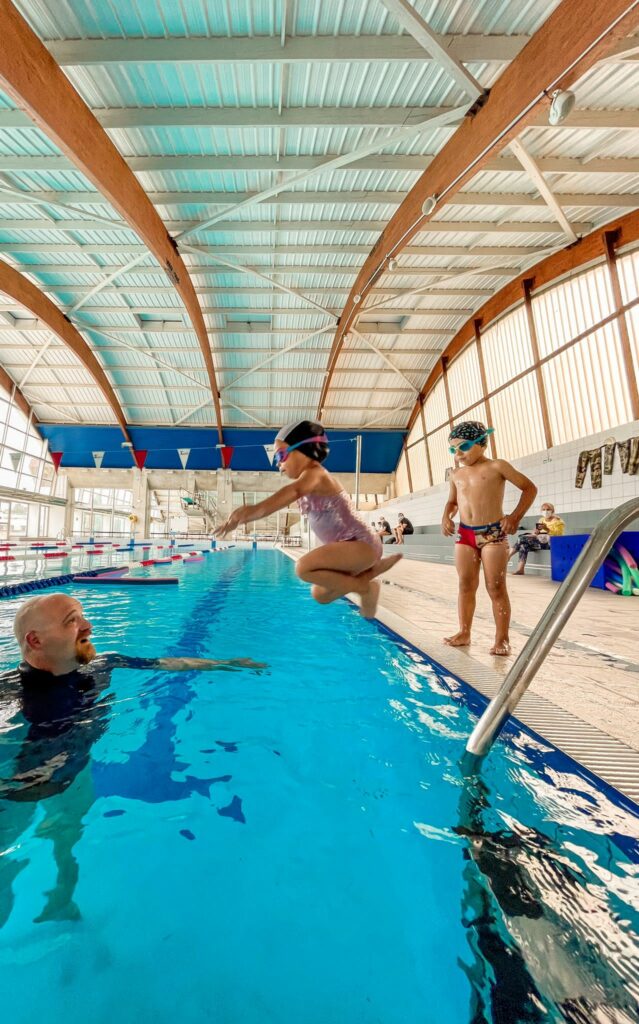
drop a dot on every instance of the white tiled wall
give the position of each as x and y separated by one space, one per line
554 474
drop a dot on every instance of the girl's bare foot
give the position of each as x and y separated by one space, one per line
501 648
519 572
384 565
460 639
368 601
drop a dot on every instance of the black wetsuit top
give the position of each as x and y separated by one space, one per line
64 715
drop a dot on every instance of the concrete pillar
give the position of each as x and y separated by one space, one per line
224 494
140 488
69 509
33 517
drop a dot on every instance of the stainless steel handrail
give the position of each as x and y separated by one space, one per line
550 626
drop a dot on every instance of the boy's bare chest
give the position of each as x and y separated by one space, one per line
475 479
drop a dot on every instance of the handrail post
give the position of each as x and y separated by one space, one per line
547 630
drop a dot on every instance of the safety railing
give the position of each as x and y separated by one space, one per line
549 627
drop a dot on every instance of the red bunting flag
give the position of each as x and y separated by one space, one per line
56 458
140 457
227 455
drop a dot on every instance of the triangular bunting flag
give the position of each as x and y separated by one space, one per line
56 458
184 456
270 451
140 457
16 459
97 458
227 455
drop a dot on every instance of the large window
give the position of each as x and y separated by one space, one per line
562 349
24 461
102 511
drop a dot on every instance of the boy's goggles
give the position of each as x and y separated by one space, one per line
465 446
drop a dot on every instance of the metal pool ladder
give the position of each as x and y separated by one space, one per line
549 627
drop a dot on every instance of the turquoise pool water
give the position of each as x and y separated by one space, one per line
300 847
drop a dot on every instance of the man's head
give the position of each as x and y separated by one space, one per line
468 440
53 633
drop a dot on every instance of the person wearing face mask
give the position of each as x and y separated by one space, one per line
549 525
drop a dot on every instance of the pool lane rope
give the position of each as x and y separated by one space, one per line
14 589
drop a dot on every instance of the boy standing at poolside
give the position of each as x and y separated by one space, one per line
477 487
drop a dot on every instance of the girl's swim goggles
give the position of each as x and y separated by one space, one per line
282 454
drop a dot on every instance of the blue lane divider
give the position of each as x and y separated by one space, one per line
14 589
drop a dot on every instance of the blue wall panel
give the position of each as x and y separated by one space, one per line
380 448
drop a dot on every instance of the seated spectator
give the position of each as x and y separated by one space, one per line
550 525
404 526
384 529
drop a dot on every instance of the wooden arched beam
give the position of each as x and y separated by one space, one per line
571 40
588 250
14 392
23 291
30 75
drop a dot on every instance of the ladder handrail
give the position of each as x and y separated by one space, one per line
550 626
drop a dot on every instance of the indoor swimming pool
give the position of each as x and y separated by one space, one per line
301 844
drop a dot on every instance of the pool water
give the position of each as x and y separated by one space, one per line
301 846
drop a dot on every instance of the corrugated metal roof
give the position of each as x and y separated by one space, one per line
270 120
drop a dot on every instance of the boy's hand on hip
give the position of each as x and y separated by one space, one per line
509 524
448 527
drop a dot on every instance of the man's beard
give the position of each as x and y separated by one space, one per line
85 651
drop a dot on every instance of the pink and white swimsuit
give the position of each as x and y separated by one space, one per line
332 518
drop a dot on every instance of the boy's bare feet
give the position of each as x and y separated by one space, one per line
501 648
368 601
460 639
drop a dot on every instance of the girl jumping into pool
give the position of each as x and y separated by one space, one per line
350 556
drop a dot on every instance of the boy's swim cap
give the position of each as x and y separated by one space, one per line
303 430
471 430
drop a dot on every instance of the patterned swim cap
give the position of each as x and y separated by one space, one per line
471 430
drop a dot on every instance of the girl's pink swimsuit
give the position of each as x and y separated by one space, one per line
332 518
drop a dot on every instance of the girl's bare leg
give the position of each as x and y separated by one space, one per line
336 567
335 570
382 566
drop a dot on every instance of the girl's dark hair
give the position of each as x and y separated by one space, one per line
301 431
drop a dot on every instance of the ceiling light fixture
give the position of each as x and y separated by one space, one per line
392 265
429 205
561 103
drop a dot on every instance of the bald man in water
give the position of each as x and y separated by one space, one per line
53 635
55 699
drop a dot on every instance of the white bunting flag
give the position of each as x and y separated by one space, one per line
97 458
184 456
16 459
270 451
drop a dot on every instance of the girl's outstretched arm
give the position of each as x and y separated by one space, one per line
281 499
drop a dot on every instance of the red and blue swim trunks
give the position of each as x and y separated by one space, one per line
479 536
